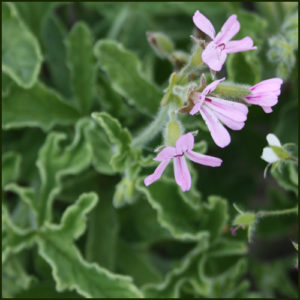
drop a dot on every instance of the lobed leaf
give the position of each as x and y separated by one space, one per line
70 270
54 162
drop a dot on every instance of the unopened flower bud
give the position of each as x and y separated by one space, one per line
173 132
161 43
178 59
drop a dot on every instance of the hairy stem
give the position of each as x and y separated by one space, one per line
293 210
154 128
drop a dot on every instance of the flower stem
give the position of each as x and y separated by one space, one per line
293 210
154 128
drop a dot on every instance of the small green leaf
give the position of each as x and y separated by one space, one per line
245 219
21 54
38 106
70 270
125 72
54 162
118 136
125 193
82 66
11 162
295 245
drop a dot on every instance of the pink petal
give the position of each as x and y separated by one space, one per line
267 109
157 173
241 45
196 108
212 86
230 28
182 173
268 100
272 84
219 134
202 159
234 125
184 143
233 110
204 24
166 153
214 56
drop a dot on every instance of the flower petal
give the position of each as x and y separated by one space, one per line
157 173
184 143
204 24
267 109
267 85
269 156
230 28
241 45
214 57
196 108
219 134
182 173
273 140
233 110
262 100
212 86
166 153
234 125
205 160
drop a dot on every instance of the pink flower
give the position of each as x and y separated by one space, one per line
184 146
216 112
214 55
265 94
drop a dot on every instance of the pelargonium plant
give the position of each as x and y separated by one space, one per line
141 164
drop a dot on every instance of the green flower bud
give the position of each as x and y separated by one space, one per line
161 43
173 133
232 91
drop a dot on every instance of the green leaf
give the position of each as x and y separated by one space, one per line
14 278
284 174
53 35
6 84
69 269
101 148
244 67
136 262
38 106
141 228
15 239
54 162
11 162
102 248
171 285
21 54
245 219
118 136
82 66
295 245
124 70
180 217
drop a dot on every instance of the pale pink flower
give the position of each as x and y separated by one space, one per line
184 146
216 112
214 55
265 94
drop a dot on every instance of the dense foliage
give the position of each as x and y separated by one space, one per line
81 118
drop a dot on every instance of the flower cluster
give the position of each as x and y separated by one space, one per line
206 100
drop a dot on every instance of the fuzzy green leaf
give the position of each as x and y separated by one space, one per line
38 106
55 162
118 136
70 270
124 70
21 54
82 66
245 219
